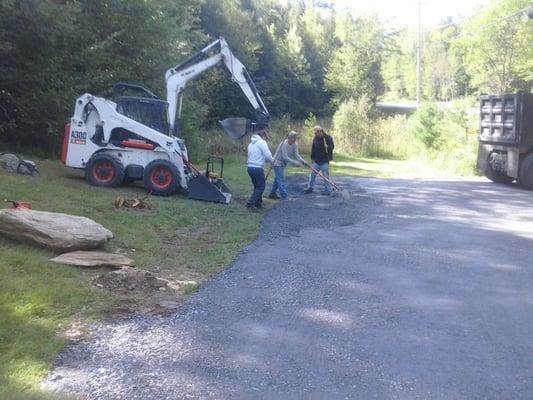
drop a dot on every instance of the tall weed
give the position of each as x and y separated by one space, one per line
357 131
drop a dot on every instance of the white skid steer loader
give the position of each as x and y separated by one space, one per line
136 138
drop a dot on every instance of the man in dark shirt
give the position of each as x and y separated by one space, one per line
321 154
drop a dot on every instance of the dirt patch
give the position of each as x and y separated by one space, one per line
141 291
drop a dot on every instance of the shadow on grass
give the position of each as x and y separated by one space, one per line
22 365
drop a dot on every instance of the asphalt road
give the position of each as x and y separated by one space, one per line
413 289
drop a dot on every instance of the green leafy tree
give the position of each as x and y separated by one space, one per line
355 69
399 66
496 48
439 70
54 51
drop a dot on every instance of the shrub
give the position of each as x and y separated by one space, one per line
447 138
426 126
352 128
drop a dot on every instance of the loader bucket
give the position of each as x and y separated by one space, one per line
201 188
236 128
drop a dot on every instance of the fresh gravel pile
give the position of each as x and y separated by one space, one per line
315 210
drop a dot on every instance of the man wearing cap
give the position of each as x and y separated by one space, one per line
258 153
287 153
321 154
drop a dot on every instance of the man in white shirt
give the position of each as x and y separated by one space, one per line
258 153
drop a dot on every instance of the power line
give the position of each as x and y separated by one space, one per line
461 20
513 15
523 11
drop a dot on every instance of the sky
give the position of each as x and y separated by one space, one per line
401 13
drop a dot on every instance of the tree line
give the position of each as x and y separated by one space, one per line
303 55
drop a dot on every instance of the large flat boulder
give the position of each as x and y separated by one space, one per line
82 258
55 231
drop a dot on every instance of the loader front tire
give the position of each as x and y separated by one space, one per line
161 177
104 170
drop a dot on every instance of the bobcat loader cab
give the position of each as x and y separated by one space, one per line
135 137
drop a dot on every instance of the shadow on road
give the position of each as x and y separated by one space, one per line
412 289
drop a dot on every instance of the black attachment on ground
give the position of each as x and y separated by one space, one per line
201 188
209 186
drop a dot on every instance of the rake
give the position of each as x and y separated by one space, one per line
343 193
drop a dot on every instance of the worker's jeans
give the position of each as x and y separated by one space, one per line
257 175
324 168
279 183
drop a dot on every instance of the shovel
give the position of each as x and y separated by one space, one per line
344 193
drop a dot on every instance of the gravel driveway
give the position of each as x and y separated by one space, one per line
413 289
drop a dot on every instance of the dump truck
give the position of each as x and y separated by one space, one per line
505 149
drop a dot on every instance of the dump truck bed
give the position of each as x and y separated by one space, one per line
507 119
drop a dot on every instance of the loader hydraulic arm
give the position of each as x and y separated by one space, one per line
211 55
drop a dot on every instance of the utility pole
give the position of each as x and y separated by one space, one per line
418 67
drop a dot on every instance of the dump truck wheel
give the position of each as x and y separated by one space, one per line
525 174
161 177
104 170
497 176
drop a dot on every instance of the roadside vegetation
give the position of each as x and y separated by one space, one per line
442 140
304 57
312 65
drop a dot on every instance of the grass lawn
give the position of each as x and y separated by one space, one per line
383 168
176 238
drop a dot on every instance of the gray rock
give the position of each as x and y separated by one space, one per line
56 231
27 167
9 162
93 259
